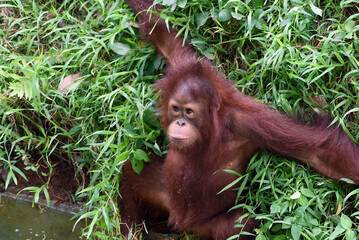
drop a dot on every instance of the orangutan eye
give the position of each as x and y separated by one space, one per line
189 111
175 109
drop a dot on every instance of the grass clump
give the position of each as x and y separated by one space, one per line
284 53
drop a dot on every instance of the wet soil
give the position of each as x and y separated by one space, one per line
63 180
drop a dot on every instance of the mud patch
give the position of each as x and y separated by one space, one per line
63 180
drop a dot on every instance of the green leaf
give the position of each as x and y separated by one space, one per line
168 2
338 230
37 195
201 19
120 48
347 180
230 185
258 3
274 208
209 53
181 3
346 222
31 189
295 231
224 15
47 196
139 154
349 25
237 16
122 157
8 178
307 192
261 237
349 235
137 166
287 222
17 170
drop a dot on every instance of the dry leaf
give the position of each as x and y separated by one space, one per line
68 82
339 209
320 102
133 24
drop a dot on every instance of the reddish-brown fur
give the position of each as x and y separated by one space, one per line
235 127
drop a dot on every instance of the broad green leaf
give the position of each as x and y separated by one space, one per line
349 235
137 165
224 15
201 19
181 3
295 231
274 208
307 192
139 154
338 230
345 222
120 48
260 237
349 25
237 16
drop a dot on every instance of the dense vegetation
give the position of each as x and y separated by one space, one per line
75 91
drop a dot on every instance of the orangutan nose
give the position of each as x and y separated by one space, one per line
181 122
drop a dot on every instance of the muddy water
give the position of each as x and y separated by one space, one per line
20 221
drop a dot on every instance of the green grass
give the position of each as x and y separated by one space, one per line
283 53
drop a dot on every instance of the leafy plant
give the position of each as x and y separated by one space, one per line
284 53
